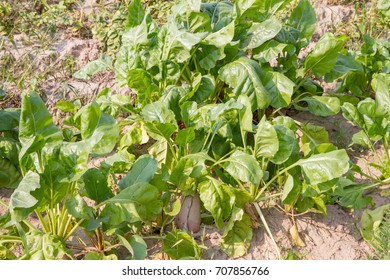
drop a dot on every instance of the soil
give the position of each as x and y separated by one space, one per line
334 237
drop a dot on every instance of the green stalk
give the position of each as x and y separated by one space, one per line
10 239
65 220
45 226
73 229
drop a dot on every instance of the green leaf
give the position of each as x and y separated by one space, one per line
279 87
243 167
323 106
345 64
142 170
198 22
9 118
79 209
99 130
144 84
185 136
268 51
351 195
138 202
237 235
74 158
384 7
351 113
303 18
324 167
381 85
66 106
96 186
125 61
266 140
36 127
371 221
291 190
260 32
135 13
243 76
101 64
179 245
323 57
222 37
217 198
259 9
25 197
245 113
135 245
208 55
9 174
287 141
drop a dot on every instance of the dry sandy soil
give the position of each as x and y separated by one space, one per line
335 237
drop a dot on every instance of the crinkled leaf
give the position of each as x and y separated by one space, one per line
217 198
237 235
78 208
47 246
180 245
243 167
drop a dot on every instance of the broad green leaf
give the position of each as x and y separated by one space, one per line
191 166
9 174
362 139
291 190
74 158
160 151
217 198
323 57
260 32
138 202
144 84
345 64
101 64
287 141
198 22
324 167
25 198
243 76
119 162
78 208
125 61
268 51
222 37
220 13
237 235
99 130
142 170
279 87
136 36
36 127
208 55
371 221
185 136
259 9
351 195
160 120
381 85
179 245
96 186
303 18
243 167
66 106
203 87
9 149
9 118
135 245
135 13
351 113
323 106
266 140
